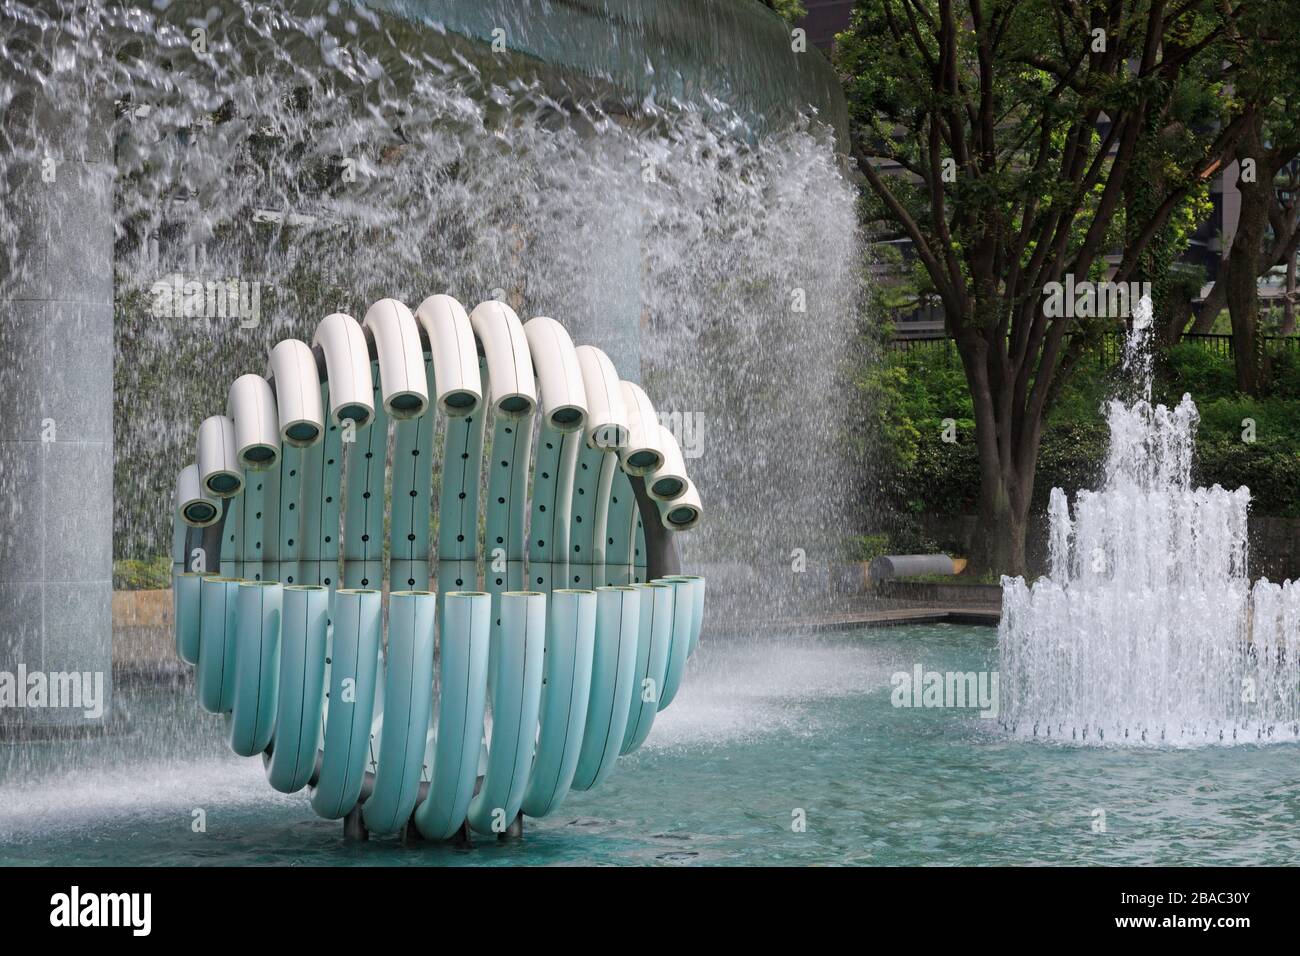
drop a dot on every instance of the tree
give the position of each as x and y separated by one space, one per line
1264 66
1000 137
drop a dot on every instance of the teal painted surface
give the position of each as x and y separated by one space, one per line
258 609
613 682
408 698
516 689
354 660
654 642
462 699
215 672
302 688
680 647
570 646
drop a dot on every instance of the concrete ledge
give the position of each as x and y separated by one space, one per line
979 595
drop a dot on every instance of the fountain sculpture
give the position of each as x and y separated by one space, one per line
582 628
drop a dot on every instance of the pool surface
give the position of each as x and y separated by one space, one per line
765 734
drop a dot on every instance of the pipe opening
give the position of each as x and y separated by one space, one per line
460 400
199 512
304 432
515 404
668 487
645 458
682 515
358 414
224 483
408 403
260 454
567 415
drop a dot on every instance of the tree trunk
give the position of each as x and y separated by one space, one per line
1288 300
1005 489
1243 261
1214 302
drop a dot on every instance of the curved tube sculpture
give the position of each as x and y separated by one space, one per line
554 621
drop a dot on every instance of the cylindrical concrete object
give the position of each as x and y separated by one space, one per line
566 692
462 701
408 698
258 608
516 699
196 508
669 480
684 593
555 361
613 682
347 366
297 393
402 381
354 660
220 471
607 422
185 610
642 453
454 355
251 406
511 384
303 625
653 645
215 674
905 565
697 607
684 512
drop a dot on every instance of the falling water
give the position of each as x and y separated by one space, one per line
321 162
1147 628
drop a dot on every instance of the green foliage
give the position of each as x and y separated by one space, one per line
136 575
930 477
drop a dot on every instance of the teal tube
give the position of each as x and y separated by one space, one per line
253 504
550 542
639 557
697 606
354 651
408 698
215 673
613 682
684 593
462 464
288 524
462 702
322 465
186 604
618 529
413 448
654 641
258 606
232 541
566 690
516 698
302 688
586 541
363 521
507 501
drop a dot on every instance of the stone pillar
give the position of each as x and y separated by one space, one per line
56 392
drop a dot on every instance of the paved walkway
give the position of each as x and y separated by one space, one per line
868 611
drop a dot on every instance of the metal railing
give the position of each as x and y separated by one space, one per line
1109 347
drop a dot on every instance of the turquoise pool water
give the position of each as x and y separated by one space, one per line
762 729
